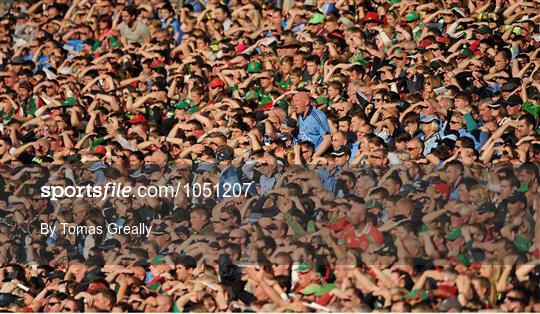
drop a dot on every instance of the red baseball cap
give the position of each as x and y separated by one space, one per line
100 149
216 82
443 188
241 47
371 17
138 119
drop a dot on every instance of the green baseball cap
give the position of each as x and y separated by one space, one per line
466 52
454 234
70 101
158 260
412 16
394 1
464 259
318 290
316 18
304 267
187 105
184 104
373 203
254 67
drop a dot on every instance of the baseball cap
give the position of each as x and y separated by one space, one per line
374 204
341 151
99 149
290 122
241 47
284 137
138 119
498 103
158 260
346 21
412 16
484 29
151 168
56 275
514 100
254 67
428 119
110 244
159 229
187 105
224 154
443 188
307 266
316 18
371 17
466 52
509 86
6 299
517 197
317 290
95 260
487 207
69 102
216 82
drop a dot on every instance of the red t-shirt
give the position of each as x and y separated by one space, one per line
368 239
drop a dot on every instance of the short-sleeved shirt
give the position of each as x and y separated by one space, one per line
369 239
313 127
138 34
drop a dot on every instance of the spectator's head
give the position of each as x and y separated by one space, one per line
199 218
301 103
104 299
129 15
526 126
516 300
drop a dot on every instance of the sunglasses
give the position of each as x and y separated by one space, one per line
513 299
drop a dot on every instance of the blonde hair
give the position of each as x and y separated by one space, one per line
478 194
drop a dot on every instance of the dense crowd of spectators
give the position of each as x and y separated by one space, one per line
361 155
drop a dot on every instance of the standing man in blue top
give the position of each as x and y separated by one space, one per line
312 123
